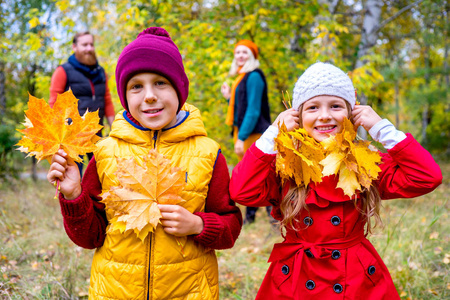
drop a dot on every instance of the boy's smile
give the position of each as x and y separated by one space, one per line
152 100
323 116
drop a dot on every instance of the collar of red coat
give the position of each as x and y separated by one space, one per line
321 194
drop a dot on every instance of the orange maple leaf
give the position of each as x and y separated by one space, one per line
353 160
49 129
133 203
298 156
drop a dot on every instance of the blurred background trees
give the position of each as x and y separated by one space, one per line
396 53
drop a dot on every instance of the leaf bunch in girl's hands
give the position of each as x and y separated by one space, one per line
353 160
298 156
302 159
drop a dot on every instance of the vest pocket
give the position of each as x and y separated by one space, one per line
371 267
282 271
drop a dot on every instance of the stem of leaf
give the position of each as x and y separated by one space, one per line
57 188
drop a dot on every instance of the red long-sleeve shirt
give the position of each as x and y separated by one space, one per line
85 220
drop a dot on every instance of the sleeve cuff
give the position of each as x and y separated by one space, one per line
385 133
77 207
266 143
212 228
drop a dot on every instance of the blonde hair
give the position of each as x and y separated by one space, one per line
295 200
250 65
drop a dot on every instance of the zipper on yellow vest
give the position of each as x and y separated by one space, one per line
155 138
151 242
150 239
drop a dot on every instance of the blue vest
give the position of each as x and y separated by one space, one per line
82 88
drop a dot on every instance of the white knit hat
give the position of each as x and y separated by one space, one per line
323 79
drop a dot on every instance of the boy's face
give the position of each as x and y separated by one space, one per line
152 100
324 116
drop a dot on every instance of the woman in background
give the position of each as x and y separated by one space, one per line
248 108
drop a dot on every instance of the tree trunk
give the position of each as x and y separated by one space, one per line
369 36
2 91
447 76
31 90
332 5
446 17
397 105
371 25
425 122
426 105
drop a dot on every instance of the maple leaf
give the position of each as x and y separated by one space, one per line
298 156
49 129
133 203
354 161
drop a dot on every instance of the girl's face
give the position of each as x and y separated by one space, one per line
323 116
152 100
241 55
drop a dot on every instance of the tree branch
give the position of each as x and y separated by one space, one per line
401 11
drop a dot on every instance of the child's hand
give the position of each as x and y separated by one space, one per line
225 89
66 171
178 221
239 147
365 116
290 118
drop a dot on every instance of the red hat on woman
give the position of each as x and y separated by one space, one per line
249 44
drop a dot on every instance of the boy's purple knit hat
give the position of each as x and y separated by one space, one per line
152 51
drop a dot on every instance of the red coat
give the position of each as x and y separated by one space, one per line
331 258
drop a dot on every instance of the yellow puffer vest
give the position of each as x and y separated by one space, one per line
127 268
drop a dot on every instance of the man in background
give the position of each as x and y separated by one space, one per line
87 80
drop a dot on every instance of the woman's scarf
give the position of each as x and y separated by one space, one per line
230 114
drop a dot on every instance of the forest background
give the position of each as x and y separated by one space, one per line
396 53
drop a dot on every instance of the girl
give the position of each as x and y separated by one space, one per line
325 254
152 87
248 107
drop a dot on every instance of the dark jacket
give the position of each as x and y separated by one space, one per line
264 118
90 96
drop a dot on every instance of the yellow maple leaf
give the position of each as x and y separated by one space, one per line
133 203
49 129
332 163
353 160
348 181
298 156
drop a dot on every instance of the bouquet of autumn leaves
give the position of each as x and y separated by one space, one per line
132 204
302 159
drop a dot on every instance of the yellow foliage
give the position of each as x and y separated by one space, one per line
34 22
33 41
62 5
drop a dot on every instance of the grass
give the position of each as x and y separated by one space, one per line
38 261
